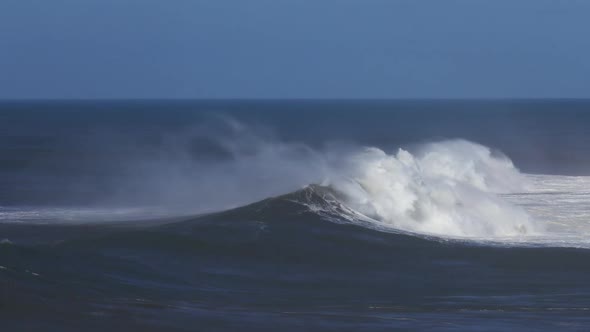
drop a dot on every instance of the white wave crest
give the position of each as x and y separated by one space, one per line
448 188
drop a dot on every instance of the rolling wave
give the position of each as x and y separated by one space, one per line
450 190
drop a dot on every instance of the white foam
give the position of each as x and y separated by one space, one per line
562 203
43 215
448 189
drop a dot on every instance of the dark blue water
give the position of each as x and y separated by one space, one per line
263 260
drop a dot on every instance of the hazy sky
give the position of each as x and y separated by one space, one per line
294 48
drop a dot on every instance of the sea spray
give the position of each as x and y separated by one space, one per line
447 188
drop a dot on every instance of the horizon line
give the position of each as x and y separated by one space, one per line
295 99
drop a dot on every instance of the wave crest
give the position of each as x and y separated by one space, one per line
448 188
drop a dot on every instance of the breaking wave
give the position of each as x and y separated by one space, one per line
449 188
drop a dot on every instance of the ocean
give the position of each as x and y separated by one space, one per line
295 215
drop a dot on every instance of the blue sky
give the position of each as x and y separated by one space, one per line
294 49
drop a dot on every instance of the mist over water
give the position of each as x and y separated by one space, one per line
448 188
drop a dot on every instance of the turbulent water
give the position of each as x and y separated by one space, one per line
295 215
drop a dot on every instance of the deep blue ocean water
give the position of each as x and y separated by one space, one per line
224 216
